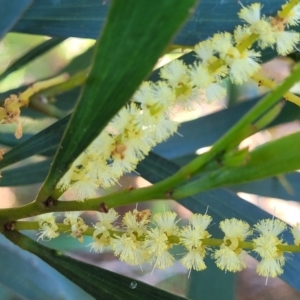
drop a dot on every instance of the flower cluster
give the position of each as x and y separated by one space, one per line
48 226
11 110
141 238
146 120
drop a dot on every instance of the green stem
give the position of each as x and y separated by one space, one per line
36 103
76 80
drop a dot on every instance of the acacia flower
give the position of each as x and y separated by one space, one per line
292 17
136 221
48 218
191 237
155 116
48 231
72 217
176 74
101 241
258 25
203 79
104 227
77 224
84 188
129 249
266 246
157 245
10 113
167 222
243 64
48 227
77 230
230 256
286 41
129 246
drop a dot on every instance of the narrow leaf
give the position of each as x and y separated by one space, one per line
31 55
29 174
31 278
12 12
107 88
273 158
273 187
41 143
100 283
85 18
206 130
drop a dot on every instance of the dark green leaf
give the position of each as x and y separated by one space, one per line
10 13
77 18
8 139
31 278
273 187
85 18
107 88
207 130
31 55
29 174
100 283
45 142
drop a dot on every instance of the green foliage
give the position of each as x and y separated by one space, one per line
134 34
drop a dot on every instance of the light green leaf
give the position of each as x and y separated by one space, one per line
31 55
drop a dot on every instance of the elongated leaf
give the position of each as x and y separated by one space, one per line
31 55
273 158
107 88
100 283
46 140
10 140
273 187
29 174
221 204
205 131
12 12
85 18
32 278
